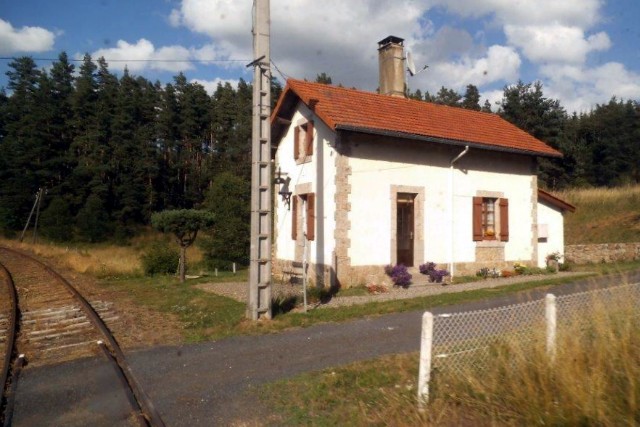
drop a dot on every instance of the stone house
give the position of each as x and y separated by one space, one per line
365 180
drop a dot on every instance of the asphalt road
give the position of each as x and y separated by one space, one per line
214 383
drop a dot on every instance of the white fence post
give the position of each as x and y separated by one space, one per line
426 344
550 317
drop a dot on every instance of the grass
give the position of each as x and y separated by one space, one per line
603 215
102 260
207 316
203 315
594 380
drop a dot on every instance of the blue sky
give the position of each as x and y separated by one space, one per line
584 51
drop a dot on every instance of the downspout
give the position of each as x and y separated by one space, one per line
451 245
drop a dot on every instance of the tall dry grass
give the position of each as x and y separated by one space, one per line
100 260
594 379
603 215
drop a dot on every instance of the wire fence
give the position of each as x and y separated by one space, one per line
453 341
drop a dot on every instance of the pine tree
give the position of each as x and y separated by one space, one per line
448 97
21 146
471 98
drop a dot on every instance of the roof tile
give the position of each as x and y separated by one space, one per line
353 108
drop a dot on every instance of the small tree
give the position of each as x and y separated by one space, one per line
184 224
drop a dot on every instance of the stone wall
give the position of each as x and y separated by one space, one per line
604 252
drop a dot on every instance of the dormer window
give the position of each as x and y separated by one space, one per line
303 142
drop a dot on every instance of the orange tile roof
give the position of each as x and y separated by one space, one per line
350 109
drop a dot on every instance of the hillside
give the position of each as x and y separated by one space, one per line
603 215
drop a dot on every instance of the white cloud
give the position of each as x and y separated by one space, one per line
211 85
309 37
581 88
143 55
493 96
583 13
25 39
499 64
555 43
339 38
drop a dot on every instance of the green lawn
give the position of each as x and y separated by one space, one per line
209 316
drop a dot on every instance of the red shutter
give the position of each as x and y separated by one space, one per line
309 140
311 216
294 218
504 220
477 219
296 143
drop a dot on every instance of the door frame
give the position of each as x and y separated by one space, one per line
418 222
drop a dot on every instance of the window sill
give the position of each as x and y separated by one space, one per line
490 244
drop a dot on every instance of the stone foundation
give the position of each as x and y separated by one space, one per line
604 252
287 271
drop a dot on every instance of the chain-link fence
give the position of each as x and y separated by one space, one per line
452 341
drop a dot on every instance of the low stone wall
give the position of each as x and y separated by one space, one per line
604 252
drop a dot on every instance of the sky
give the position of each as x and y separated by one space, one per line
583 51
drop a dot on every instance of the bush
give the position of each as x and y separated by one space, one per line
489 273
399 275
435 275
160 259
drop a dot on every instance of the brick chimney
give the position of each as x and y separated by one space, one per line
391 62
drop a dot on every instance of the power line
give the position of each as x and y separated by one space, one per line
283 75
11 58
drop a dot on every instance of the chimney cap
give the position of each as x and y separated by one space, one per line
389 40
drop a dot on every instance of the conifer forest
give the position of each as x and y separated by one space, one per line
110 150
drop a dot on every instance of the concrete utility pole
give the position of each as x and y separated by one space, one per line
259 304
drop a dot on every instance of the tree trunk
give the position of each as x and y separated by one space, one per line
183 263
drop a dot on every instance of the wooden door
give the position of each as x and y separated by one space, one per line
405 228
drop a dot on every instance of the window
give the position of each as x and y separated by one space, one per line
490 219
306 215
303 142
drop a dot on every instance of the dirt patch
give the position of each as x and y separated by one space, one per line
240 290
136 325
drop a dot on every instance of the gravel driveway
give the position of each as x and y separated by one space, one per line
239 290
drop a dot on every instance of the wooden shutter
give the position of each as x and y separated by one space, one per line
477 219
504 220
294 218
309 139
296 143
311 216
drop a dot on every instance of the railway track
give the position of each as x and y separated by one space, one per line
44 320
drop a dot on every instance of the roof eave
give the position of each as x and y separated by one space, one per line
446 141
555 201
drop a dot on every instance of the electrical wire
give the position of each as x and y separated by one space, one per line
12 58
283 75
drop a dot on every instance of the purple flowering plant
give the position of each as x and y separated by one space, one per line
435 275
399 275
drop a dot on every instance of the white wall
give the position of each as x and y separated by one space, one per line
320 169
377 165
554 220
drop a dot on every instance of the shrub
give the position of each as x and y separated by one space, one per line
488 272
399 275
160 259
507 273
519 268
435 275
